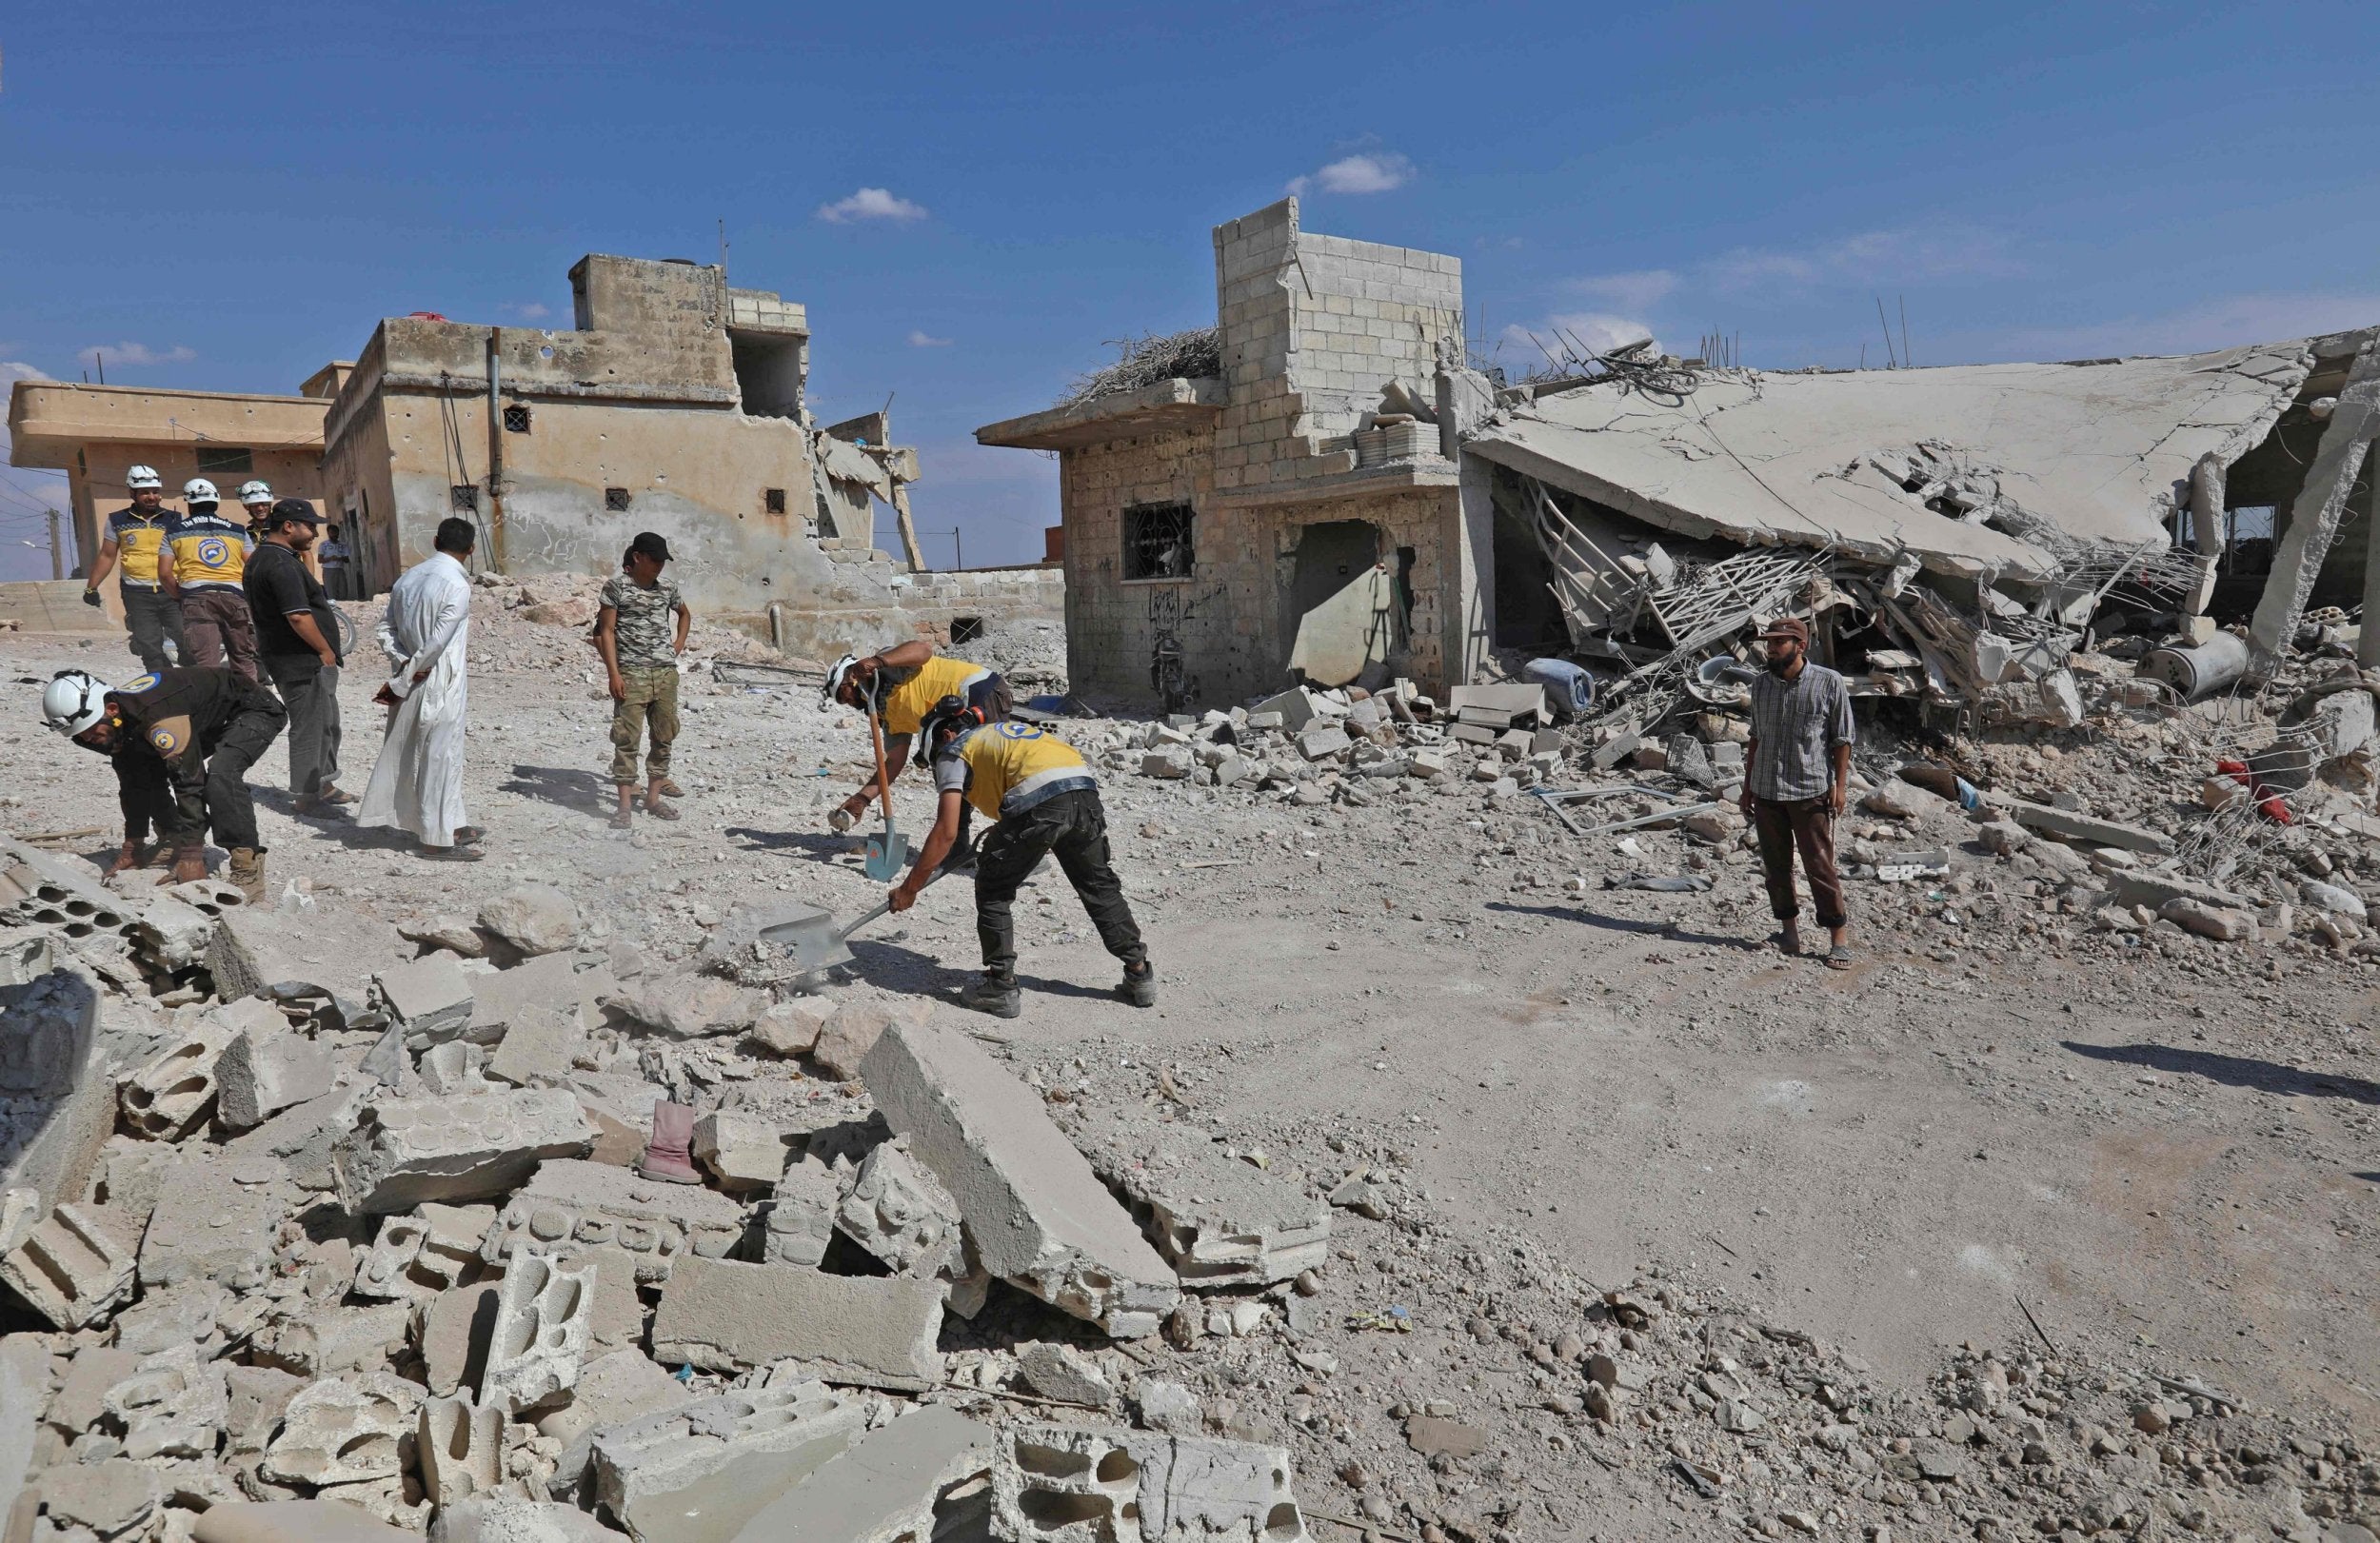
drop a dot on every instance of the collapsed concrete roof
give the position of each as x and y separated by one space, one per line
1874 461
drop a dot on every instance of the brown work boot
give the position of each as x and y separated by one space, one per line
247 872
189 865
668 1154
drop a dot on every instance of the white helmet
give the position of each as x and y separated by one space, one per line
140 477
837 673
72 702
255 491
199 490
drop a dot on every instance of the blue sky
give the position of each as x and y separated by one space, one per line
972 200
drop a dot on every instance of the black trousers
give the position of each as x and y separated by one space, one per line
1073 829
152 617
228 807
310 689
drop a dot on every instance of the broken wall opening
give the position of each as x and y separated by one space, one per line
1348 605
768 375
1528 616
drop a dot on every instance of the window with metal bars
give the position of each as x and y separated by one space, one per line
773 500
516 418
1158 541
615 498
464 498
225 460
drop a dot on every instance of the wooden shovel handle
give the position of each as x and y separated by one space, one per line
876 733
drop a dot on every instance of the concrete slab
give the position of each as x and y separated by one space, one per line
456 1148
875 1331
698 1472
882 1488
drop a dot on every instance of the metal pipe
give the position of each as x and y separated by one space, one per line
494 562
2196 674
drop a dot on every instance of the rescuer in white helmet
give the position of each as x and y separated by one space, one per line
136 537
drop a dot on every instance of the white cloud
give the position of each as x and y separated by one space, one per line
870 204
1372 171
1888 256
11 370
923 340
128 352
1597 331
528 311
1629 291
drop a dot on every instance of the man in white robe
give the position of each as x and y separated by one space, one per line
417 783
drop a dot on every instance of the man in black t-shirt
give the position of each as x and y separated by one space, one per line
297 643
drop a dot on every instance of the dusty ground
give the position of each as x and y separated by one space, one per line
2165 1151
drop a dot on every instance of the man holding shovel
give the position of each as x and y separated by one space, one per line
898 687
1041 792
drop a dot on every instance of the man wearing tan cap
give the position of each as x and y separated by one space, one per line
1796 775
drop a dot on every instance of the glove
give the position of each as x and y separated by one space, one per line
841 820
90 597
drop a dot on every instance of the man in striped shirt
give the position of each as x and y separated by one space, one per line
1796 775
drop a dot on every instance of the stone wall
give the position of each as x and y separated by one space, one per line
917 605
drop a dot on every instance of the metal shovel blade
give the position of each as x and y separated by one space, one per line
887 853
814 941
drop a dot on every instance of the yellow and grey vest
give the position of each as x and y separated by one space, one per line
209 552
1008 768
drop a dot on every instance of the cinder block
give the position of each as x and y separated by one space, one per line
746 1153
612 1389
167 1098
800 1218
343 1431
873 1331
409 1150
462 1447
1057 1484
896 1209
649 1470
170 1409
544 1314
324 1341
384 1272
1038 1217
70 1269
572 1206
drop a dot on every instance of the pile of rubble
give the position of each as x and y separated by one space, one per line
337 1233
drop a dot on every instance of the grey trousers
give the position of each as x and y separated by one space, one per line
152 616
310 689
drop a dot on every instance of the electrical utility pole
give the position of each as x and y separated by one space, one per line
57 553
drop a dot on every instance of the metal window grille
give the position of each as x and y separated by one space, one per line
773 500
225 460
464 498
517 418
615 498
1158 541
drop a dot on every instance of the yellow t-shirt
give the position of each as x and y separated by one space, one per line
906 704
1006 768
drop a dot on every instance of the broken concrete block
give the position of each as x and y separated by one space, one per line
1056 1484
429 999
409 1150
538 1045
552 981
173 933
746 1153
1173 763
900 1212
2334 898
846 1037
2224 926
1295 706
873 1331
167 1098
82 1395
110 1497
534 919
1323 741
451 1248
882 1488
621 1386
326 1341
462 1447
2071 826
267 1066
1222 1222
544 1314
1038 1216
343 1432
800 1218
792 1028
509 1518
70 1269
2005 838
735 1452
321 952
456 1329
690 1007
172 1409
572 1206
383 1274
293 1521
453 1069
2134 887
1168 1407
256 1397
1063 1373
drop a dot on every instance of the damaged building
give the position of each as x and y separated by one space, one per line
675 403
1323 490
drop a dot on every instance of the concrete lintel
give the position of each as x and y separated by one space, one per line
1396 477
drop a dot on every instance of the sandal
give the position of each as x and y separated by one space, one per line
660 810
1777 940
1839 958
623 821
669 789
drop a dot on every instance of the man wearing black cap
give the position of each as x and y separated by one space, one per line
297 643
1796 775
634 633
